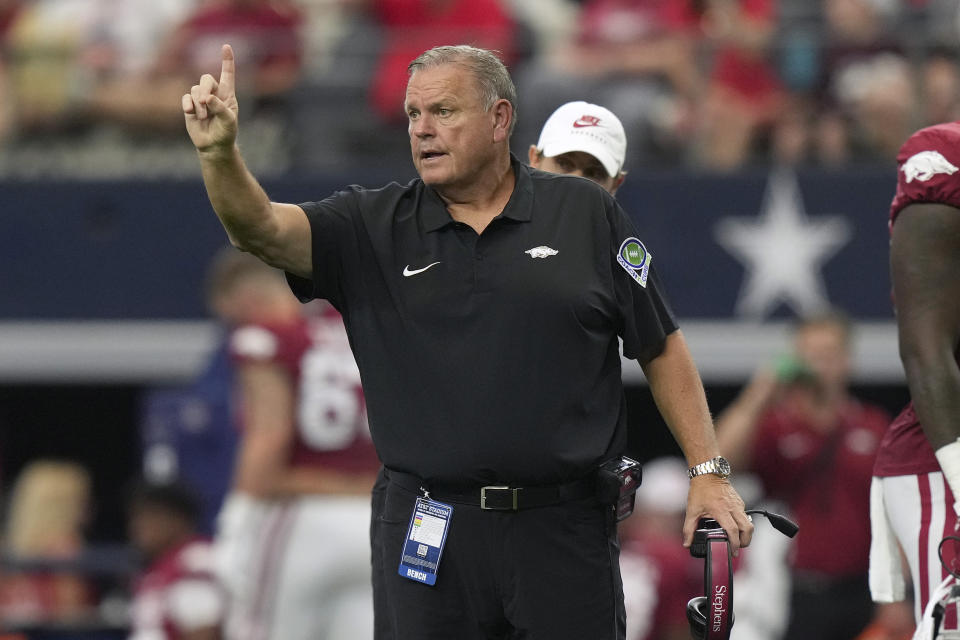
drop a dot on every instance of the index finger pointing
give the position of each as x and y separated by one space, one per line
227 70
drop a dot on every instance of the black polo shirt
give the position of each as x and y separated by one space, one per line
489 358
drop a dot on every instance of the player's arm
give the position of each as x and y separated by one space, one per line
678 392
925 270
269 401
277 233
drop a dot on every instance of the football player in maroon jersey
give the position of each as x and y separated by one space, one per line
292 537
917 471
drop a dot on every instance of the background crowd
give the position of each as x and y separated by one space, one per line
91 87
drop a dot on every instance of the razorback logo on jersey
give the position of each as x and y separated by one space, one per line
926 164
586 121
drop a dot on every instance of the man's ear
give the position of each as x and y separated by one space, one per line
618 181
502 120
533 157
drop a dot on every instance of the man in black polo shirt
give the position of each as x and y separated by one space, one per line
484 302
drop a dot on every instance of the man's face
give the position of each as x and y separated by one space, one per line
150 529
576 163
451 134
823 348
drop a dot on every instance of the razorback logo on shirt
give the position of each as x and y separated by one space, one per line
926 164
586 121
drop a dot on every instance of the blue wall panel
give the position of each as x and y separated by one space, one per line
138 250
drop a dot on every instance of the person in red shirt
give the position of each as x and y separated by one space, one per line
177 597
413 26
917 471
812 445
292 535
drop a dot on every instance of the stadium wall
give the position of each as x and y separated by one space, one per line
103 281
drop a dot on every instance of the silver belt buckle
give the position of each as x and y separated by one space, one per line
483 498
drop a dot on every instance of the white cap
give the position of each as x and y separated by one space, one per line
581 126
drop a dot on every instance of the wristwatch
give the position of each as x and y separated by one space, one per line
717 466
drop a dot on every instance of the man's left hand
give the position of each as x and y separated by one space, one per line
713 497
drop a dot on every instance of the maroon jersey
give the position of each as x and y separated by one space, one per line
825 480
928 170
331 424
177 594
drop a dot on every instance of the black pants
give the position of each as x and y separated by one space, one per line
548 573
836 609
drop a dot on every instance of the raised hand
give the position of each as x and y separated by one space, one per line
210 109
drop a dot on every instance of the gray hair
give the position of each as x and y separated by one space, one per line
492 78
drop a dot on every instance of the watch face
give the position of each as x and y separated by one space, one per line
723 466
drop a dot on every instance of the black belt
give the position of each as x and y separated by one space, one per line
499 498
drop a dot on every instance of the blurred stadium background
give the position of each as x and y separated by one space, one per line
762 136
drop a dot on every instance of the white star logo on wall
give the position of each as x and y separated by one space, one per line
782 251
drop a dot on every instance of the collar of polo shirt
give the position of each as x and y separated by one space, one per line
519 208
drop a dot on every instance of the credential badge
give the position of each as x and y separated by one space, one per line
635 260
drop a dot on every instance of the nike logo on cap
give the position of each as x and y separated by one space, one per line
407 271
586 121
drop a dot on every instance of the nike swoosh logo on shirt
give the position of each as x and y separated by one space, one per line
407 271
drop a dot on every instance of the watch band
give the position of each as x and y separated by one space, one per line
717 466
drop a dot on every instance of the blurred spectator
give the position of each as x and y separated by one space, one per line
176 597
128 34
48 510
659 575
640 58
865 81
940 87
264 34
43 42
76 63
812 446
413 26
8 12
743 94
636 57
122 75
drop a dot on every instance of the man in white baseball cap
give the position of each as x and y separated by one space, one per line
582 139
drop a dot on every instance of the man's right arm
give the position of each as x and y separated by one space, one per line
925 270
278 234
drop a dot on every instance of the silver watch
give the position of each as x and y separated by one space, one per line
717 466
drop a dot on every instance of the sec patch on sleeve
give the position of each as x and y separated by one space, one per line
635 260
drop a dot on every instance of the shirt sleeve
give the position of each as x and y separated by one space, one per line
333 240
928 169
645 314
